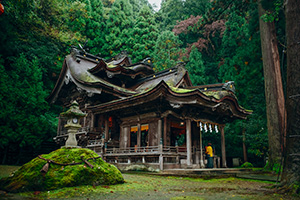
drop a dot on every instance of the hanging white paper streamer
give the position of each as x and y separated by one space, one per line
216 128
201 127
205 127
210 128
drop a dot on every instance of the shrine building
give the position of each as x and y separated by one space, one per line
134 115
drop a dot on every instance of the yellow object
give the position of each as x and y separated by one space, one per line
209 151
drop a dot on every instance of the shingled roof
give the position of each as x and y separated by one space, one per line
136 85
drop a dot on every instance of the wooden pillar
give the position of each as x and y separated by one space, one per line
188 142
125 134
92 122
84 119
139 135
165 131
121 138
160 145
106 129
223 149
59 126
159 131
201 151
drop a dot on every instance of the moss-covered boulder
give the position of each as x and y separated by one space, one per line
86 169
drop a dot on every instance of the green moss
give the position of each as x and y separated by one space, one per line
88 78
216 94
29 177
111 66
247 165
181 90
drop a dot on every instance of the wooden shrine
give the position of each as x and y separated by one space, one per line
134 115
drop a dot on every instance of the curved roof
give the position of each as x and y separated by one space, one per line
77 70
83 70
218 101
114 68
171 88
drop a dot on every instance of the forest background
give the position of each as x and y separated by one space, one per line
218 40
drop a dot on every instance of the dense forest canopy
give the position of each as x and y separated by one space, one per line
218 40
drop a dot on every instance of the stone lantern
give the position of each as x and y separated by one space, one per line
73 115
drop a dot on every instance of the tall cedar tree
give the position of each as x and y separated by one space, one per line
196 7
275 103
40 31
24 119
291 170
145 34
167 51
171 11
207 38
196 67
95 26
119 29
137 5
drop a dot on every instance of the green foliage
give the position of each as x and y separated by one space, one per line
196 7
41 29
95 26
24 116
196 67
119 29
145 34
167 51
247 165
240 62
170 12
276 167
272 10
30 178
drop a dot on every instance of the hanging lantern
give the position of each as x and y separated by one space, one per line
216 129
201 127
210 128
1 9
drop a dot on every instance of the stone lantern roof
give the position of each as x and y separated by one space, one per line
73 111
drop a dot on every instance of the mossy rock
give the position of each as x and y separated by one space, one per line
30 178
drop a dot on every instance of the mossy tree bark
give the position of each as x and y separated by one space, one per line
273 87
291 172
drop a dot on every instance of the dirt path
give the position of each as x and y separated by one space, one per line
145 186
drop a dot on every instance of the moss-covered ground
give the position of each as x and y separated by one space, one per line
145 186
30 178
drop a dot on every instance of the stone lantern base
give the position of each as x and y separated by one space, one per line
72 131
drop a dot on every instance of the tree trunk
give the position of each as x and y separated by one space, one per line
244 146
273 88
291 172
